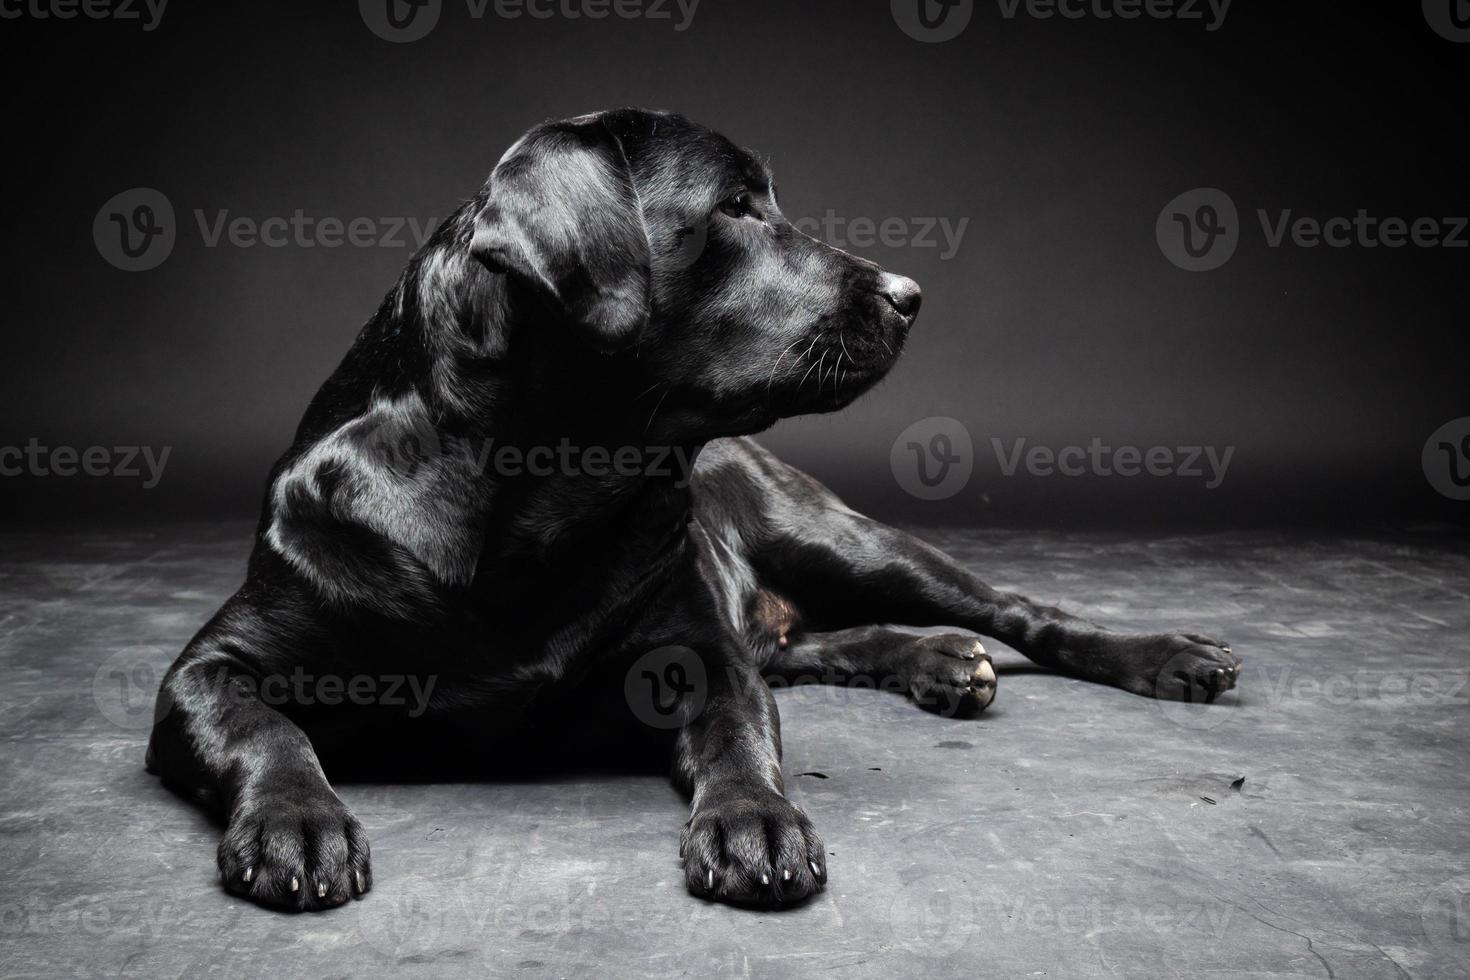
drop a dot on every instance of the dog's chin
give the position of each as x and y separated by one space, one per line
837 390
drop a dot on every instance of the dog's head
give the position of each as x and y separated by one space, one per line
652 235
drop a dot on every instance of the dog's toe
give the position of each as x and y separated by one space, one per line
950 674
753 849
1195 668
294 855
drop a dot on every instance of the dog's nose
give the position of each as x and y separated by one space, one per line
902 294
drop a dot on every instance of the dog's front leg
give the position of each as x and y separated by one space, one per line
745 842
290 843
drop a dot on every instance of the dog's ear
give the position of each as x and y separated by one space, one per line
562 212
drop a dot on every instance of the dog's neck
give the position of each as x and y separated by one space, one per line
568 441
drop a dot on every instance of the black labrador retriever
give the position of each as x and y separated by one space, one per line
493 508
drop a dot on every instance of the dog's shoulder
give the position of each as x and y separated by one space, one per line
378 510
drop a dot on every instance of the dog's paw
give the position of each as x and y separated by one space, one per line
753 848
950 674
294 853
1188 667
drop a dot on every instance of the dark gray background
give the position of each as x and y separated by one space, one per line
1058 320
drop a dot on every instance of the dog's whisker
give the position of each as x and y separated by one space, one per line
772 380
656 407
806 355
804 377
649 390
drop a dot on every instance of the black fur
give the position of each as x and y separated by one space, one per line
623 287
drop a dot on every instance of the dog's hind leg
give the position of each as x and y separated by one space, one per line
949 674
290 842
844 569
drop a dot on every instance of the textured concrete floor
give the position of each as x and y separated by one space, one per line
1072 831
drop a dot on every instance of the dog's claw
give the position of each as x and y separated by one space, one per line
765 878
359 882
709 880
248 876
321 890
785 874
295 884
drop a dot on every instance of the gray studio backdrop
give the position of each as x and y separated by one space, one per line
1126 318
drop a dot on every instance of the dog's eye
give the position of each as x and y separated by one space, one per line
741 205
